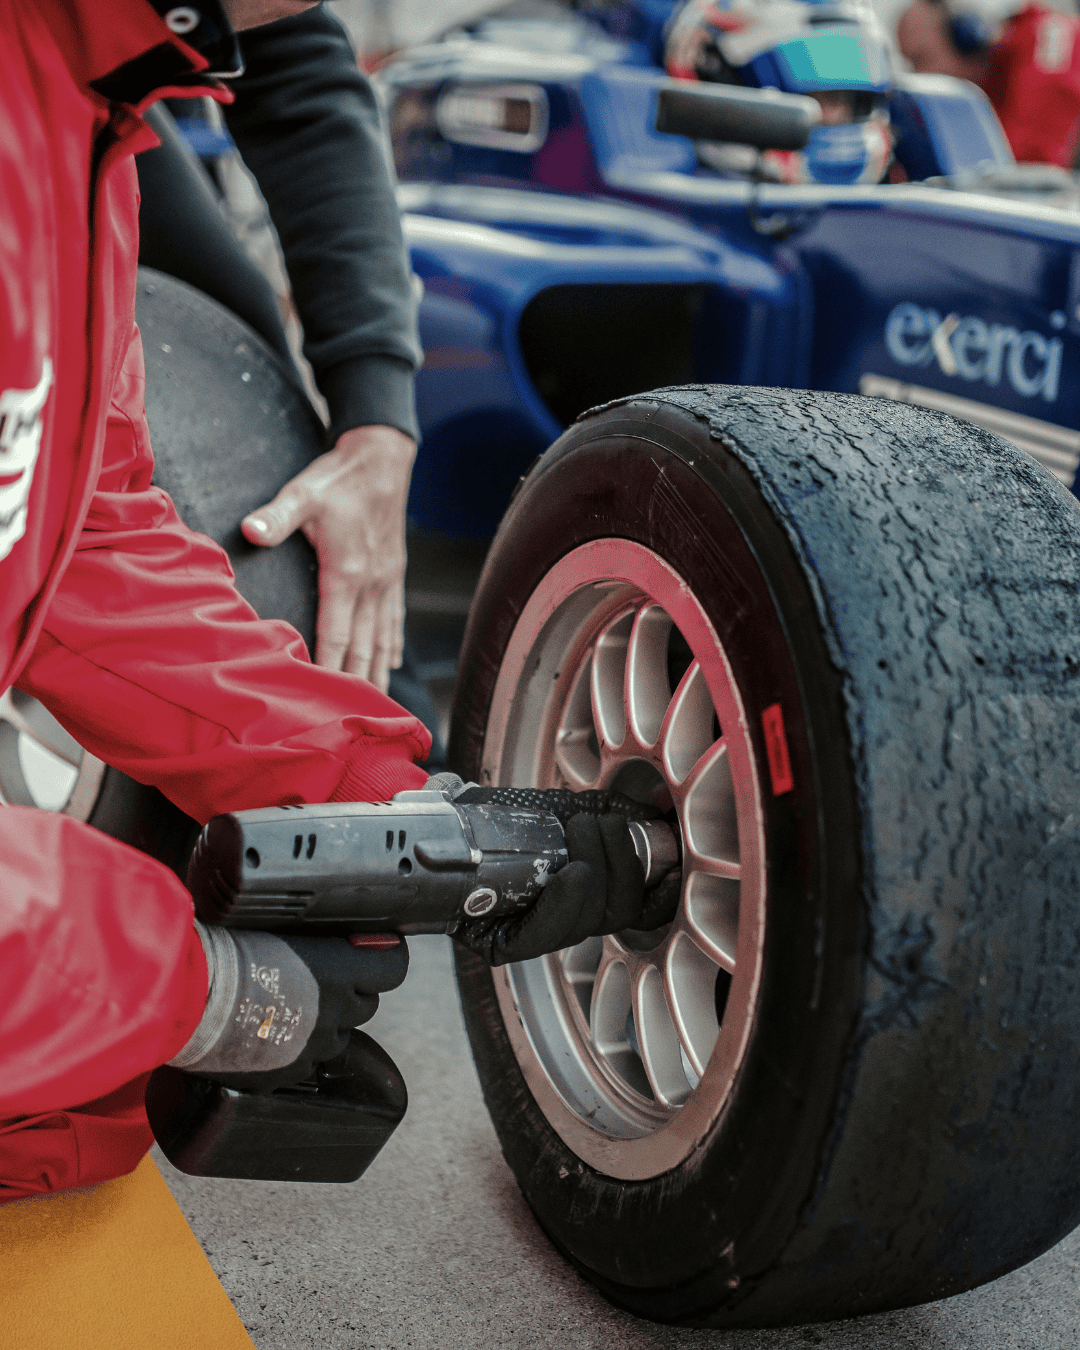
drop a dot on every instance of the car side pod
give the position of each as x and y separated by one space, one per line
329 1128
764 118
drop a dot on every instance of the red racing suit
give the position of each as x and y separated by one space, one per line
1033 81
120 620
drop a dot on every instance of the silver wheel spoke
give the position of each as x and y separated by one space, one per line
691 988
647 690
576 751
87 786
610 1004
658 1040
714 867
41 765
13 784
611 1022
688 726
710 915
579 966
27 715
710 822
608 674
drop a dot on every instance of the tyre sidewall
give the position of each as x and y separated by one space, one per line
730 1208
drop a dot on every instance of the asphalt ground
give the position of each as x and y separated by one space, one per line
435 1247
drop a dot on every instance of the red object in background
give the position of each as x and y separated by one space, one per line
1033 81
122 621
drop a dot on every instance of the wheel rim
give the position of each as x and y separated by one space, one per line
41 765
615 676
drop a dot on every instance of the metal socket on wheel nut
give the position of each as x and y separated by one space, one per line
657 847
480 902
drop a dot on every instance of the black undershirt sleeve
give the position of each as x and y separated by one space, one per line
308 126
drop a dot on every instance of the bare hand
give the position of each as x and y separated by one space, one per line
350 503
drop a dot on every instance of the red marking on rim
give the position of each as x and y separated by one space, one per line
772 719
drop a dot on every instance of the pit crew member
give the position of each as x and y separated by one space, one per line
128 628
307 124
1029 68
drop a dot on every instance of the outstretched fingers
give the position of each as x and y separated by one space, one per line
334 631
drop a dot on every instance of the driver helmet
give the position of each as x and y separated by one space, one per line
834 50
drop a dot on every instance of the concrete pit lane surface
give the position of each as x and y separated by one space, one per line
435 1247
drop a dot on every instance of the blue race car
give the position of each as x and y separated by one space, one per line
570 252
835 639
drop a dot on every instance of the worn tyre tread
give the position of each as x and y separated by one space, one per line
945 568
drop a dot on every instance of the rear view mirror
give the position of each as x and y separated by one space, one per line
763 118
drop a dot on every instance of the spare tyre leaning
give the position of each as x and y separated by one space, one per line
839 641
230 426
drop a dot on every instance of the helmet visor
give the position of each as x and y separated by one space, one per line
831 58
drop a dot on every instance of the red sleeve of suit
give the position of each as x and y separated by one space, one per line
1033 81
153 661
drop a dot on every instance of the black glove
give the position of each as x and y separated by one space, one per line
278 1006
600 890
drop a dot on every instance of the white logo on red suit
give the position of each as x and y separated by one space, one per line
20 440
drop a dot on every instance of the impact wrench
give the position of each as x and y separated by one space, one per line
421 863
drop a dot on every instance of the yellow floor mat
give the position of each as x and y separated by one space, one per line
112 1267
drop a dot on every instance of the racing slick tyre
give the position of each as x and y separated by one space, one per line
838 640
230 425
